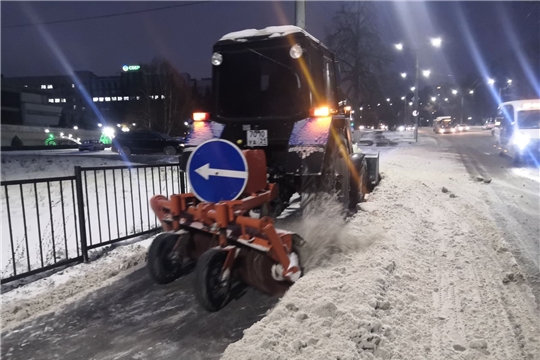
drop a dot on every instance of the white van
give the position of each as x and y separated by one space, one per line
518 134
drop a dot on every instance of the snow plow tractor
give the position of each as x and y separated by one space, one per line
277 127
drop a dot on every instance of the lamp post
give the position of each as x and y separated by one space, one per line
435 42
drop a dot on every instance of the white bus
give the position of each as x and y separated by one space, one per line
443 125
518 134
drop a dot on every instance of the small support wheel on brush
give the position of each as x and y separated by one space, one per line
164 263
212 289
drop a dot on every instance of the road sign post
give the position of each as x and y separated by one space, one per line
217 171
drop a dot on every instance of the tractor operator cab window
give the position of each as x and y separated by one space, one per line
262 82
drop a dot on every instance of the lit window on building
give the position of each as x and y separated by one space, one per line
163 96
57 100
74 106
73 86
101 99
113 98
126 98
138 97
107 99
63 100
119 98
43 86
51 100
95 99
49 87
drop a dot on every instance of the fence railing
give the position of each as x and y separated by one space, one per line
53 222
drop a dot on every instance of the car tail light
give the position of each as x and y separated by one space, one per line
201 116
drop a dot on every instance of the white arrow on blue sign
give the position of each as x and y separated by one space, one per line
217 171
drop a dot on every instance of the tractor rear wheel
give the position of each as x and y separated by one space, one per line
164 265
360 186
211 290
335 180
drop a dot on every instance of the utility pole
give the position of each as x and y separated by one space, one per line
300 13
461 117
416 100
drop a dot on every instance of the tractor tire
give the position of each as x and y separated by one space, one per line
335 180
163 266
210 290
124 150
169 150
359 186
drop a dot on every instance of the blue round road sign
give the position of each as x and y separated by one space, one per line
217 170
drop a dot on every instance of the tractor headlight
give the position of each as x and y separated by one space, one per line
217 59
521 140
296 51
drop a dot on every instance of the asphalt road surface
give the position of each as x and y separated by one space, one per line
515 200
136 319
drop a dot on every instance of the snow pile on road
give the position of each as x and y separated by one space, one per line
49 294
432 279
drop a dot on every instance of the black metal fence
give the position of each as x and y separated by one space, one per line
52 222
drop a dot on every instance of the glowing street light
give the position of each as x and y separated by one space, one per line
491 81
47 130
433 98
378 104
399 46
471 92
403 75
75 127
388 99
410 103
186 123
426 73
412 89
361 108
403 98
99 125
446 99
436 42
454 92
509 82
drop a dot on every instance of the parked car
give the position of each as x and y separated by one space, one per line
146 142
91 145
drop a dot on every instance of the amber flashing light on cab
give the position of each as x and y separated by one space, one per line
322 111
201 116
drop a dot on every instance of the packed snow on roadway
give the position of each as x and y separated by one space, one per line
421 272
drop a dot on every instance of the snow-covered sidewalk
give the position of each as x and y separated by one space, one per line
425 275
52 293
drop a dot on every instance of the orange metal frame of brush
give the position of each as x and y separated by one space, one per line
182 210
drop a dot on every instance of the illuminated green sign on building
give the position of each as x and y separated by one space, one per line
131 67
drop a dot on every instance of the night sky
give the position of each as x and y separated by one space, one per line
185 35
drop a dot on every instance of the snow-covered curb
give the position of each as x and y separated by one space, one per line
433 280
51 293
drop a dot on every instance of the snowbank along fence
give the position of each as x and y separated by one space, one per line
52 222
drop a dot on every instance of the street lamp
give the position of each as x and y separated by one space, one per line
403 98
361 108
411 103
454 92
399 46
471 92
436 42
388 99
491 81
433 98
403 75
509 82
426 73
413 88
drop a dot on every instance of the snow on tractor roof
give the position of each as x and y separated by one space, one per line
271 32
